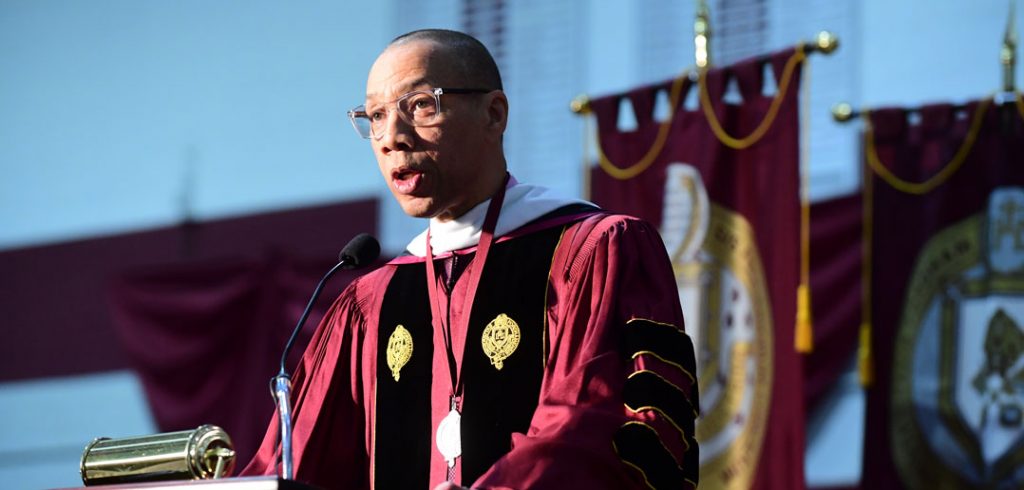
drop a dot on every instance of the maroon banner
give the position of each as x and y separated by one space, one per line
945 197
722 181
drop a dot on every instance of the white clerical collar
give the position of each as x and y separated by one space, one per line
523 204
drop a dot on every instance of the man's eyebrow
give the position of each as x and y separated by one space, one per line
406 87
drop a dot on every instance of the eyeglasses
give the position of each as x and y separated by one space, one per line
418 108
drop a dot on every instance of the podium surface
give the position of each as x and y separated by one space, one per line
243 483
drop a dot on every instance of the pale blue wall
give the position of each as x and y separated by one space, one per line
47 423
923 51
104 104
107 105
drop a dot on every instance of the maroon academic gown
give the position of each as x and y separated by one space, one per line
617 397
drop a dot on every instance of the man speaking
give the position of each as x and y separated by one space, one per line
522 341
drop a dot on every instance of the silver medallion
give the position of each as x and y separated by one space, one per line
449 437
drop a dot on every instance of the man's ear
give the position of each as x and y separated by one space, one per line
497 111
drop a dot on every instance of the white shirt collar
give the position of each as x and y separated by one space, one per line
523 204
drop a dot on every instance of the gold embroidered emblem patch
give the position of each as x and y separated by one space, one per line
500 339
399 350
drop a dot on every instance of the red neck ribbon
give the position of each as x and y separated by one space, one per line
441 318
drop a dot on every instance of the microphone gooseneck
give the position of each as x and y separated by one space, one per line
360 251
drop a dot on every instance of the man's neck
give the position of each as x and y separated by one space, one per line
523 204
489 189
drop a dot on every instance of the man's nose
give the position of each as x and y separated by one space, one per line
396 134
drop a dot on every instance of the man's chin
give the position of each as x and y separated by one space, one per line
418 207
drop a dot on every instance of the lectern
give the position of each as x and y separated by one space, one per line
243 483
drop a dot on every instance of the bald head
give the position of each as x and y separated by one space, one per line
466 57
442 167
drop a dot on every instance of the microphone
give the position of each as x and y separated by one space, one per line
359 252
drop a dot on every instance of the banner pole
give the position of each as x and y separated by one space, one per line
702 36
581 105
1008 53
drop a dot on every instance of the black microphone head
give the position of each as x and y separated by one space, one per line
360 251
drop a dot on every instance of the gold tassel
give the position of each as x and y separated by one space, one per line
803 337
865 360
804 332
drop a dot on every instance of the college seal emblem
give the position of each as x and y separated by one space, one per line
399 350
723 293
500 340
958 367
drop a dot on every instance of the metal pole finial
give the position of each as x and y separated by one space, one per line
702 35
843 112
1008 53
580 104
826 42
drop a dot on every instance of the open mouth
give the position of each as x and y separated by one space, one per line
406 180
404 174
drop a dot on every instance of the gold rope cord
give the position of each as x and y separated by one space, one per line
659 142
625 173
919 188
865 359
585 181
773 110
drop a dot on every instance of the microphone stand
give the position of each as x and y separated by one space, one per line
281 385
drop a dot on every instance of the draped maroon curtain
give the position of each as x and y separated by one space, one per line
730 219
200 312
835 277
207 337
54 305
945 197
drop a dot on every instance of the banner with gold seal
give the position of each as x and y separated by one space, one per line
722 180
944 213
